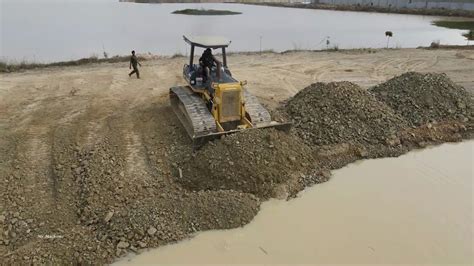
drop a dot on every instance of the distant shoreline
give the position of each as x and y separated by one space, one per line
362 8
355 8
6 67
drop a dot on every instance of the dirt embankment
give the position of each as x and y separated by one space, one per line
114 172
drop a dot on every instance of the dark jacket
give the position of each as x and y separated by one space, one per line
134 61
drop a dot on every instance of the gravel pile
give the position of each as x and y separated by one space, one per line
423 98
341 112
253 161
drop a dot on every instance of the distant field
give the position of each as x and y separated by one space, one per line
205 12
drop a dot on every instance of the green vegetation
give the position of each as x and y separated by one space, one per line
469 35
460 25
6 67
454 24
205 12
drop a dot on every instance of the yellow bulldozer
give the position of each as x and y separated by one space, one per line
213 103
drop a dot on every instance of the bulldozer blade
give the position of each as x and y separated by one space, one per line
200 141
278 126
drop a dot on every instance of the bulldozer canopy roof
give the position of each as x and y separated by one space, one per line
207 41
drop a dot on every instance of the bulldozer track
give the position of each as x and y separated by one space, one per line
259 116
198 121
192 112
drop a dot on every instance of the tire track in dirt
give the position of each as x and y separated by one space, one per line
380 71
34 187
94 133
38 151
112 149
162 136
123 132
93 123
38 176
137 167
30 175
35 151
286 78
411 65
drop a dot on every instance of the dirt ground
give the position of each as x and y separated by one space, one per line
66 133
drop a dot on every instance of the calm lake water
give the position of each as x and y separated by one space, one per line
52 30
411 210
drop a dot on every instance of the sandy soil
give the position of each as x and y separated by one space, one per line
100 116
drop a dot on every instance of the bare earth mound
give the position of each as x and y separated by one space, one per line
253 161
424 98
341 112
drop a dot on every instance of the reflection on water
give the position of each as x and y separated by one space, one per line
413 209
52 30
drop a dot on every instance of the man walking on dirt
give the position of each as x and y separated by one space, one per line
134 62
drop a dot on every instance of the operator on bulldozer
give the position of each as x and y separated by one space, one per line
207 62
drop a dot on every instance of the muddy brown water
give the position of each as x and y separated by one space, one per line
413 209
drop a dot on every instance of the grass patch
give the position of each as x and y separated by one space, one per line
460 25
6 67
205 12
469 35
